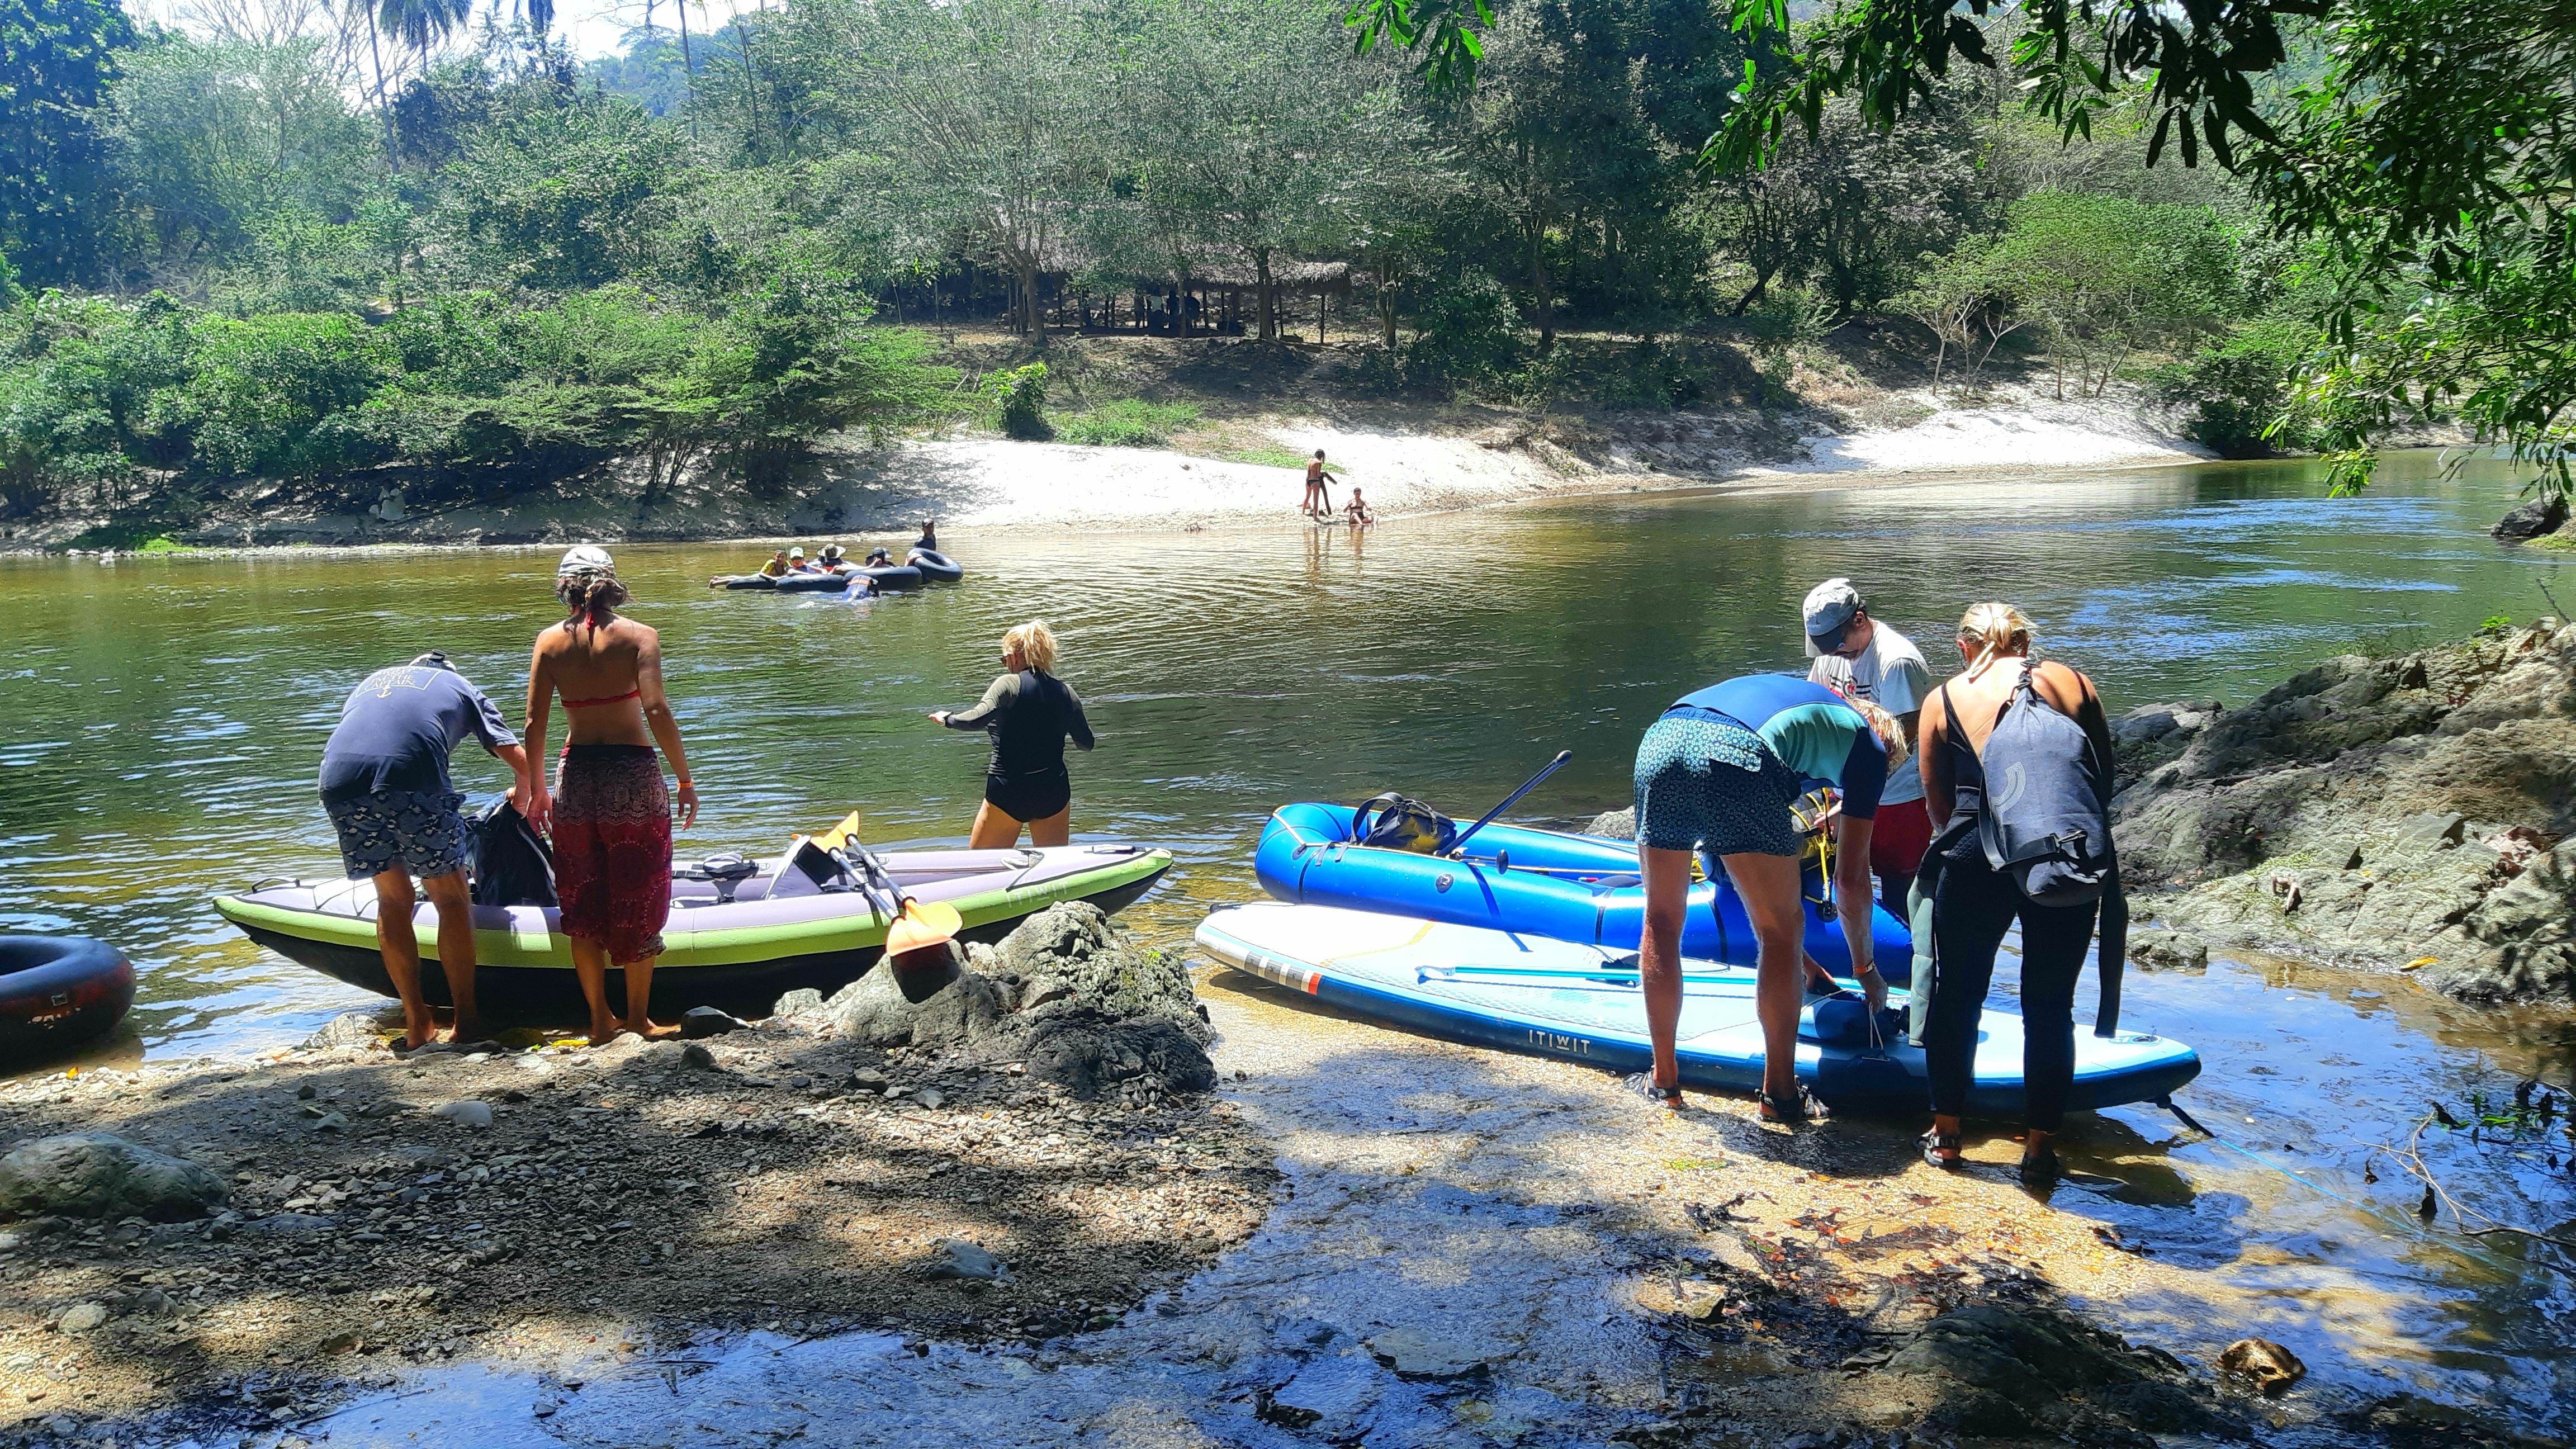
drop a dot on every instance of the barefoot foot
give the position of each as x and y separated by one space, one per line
654 1031
605 1029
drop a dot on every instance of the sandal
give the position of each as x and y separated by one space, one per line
1643 1084
2042 1166
1803 1108
1937 1142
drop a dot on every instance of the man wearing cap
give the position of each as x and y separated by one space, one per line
1860 658
385 786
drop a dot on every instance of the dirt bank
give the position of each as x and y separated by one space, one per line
2411 813
1244 418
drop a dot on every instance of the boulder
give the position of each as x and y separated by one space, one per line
2162 949
2531 520
1074 953
2374 811
1087 1052
1619 824
930 1009
1991 1370
101 1175
802 1001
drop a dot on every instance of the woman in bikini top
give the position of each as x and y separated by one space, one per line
608 670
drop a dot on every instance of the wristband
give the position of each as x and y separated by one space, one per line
685 783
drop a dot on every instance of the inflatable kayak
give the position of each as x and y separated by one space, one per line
1580 888
739 936
935 566
1559 999
56 990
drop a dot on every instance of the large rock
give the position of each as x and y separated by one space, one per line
100 1175
364 1030
1990 1370
1088 1053
1619 824
931 1009
2531 520
1073 953
2376 811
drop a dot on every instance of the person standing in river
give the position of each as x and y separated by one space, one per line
1858 657
1973 904
1030 714
386 789
1718 773
610 817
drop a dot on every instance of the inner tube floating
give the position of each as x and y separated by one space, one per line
55 990
891 578
935 566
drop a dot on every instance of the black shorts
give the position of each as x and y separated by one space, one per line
1030 797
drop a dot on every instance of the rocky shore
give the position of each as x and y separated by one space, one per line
251 1240
2410 813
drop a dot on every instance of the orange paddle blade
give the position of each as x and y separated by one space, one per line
923 923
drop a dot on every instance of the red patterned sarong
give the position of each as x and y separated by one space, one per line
612 839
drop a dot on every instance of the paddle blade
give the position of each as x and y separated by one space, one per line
841 834
923 923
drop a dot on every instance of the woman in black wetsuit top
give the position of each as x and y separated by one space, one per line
1030 714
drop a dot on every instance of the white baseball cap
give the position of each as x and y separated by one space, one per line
1829 610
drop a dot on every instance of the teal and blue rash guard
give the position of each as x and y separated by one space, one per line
1810 728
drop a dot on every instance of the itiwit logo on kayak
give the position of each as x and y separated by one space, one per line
1559 1043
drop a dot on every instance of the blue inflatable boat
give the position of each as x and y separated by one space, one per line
1580 888
1581 1003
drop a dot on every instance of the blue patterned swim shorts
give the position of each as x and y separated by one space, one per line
1706 784
423 831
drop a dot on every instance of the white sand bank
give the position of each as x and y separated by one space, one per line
2028 434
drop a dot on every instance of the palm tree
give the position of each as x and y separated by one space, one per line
421 24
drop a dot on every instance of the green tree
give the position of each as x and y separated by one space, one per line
560 196
58 58
2107 276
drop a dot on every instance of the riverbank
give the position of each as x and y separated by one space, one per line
2410 812
1229 467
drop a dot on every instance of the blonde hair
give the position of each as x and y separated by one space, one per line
1891 734
1997 629
1034 642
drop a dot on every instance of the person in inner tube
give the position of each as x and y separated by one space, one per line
832 560
879 558
929 535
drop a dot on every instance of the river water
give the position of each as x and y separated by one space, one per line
161 720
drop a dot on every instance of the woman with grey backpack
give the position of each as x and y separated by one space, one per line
2016 761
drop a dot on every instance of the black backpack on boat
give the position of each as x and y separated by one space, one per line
2044 816
1404 824
510 864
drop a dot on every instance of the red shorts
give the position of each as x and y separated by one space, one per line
612 839
1898 840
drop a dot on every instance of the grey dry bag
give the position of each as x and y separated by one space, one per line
2045 815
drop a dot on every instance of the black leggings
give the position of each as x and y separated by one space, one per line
1971 909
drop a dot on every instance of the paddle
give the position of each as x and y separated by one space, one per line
912 925
1458 847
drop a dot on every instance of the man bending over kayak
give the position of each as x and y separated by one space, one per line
385 785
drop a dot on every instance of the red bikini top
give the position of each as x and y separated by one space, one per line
608 699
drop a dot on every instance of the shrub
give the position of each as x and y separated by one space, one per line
1020 395
1129 423
1470 329
2239 387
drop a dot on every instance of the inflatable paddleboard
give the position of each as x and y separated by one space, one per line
1580 1002
1573 887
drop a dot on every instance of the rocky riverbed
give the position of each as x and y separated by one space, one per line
2410 812
256 1238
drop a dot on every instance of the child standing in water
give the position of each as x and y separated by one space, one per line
610 816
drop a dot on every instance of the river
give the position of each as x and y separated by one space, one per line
164 717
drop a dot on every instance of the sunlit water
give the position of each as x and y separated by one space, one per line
161 721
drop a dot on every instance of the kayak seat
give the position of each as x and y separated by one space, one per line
725 872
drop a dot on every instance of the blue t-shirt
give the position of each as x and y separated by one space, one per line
1810 728
397 729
